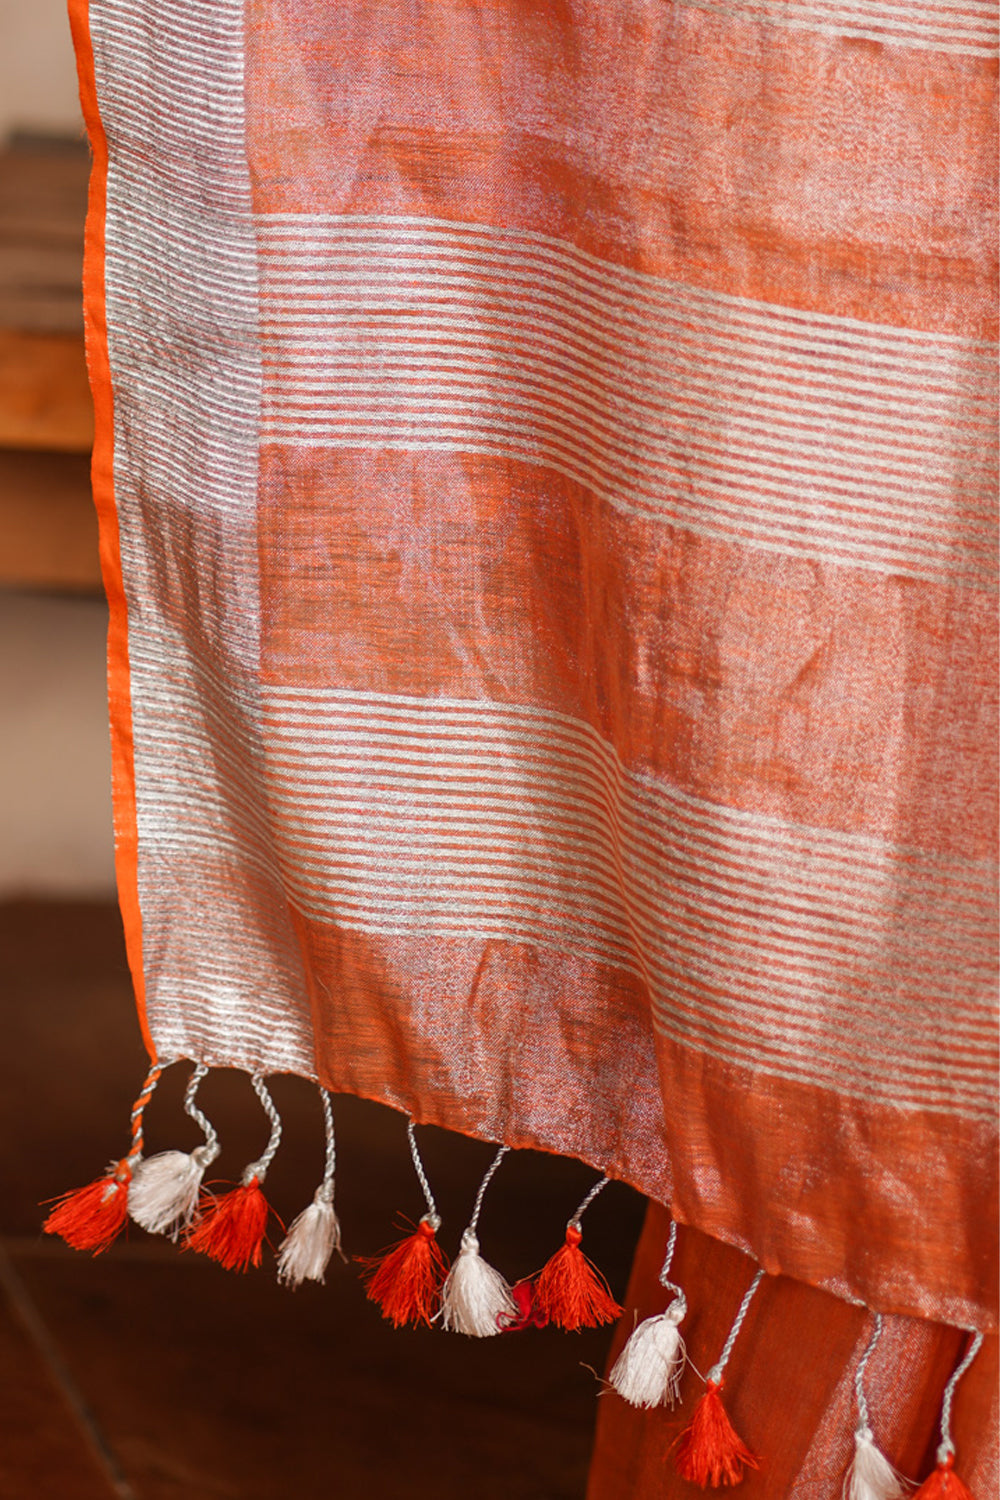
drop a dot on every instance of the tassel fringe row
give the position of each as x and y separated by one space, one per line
412 1284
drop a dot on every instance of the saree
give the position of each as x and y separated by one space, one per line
545 464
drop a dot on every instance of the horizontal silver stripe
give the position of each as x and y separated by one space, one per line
414 802
433 271
474 717
520 352
801 420
760 974
645 453
920 28
418 799
299 228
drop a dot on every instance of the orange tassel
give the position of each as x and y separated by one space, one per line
571 1292
406 1280
943 1484
230 1229
709 1451
92 1217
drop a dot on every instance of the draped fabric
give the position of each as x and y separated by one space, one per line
791 1384
546 465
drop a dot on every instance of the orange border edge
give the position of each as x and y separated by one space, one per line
103 482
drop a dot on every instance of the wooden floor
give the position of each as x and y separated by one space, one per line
153 1374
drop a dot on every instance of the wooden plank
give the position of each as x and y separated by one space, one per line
44 395
48 528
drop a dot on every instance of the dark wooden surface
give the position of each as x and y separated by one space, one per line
154 1374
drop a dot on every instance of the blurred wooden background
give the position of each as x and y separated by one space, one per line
48 533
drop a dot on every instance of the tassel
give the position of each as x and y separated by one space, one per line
165 1188
230 1229
944 1483
305 1252
475 1298
710 1452
648 1370
92 1217
571 1292
405 1281
871 1475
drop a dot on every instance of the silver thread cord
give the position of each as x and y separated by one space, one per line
432 1216
947 1448
574 1222
259 1167
716 1372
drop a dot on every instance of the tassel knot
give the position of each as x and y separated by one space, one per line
92 1217
230 1228
871 1475
165 1189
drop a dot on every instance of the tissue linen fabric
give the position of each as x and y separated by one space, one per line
546 468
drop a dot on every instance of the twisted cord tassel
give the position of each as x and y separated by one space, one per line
710 1451
648 1371
405 1280
871 1475
305 1252
944 1483
570 1291
475 1298
165 1188
230 1227
92 1217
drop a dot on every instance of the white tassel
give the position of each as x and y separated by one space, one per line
648 1370
871 1475
163 1193
305 1252
475 1297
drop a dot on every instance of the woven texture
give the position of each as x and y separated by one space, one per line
545 462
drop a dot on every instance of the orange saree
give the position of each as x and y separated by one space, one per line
545 464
